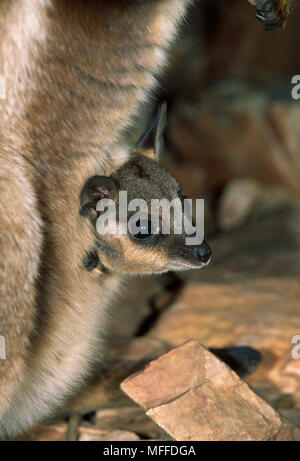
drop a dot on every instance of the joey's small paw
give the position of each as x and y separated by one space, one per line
272 13
95 189
90 260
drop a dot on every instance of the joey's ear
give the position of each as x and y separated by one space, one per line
151 142
95 189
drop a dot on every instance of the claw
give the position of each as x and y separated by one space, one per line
260 17
272 13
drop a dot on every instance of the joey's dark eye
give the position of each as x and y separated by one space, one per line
142 229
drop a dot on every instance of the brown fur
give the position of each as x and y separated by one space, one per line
75 75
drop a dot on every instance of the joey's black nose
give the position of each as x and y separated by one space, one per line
202 252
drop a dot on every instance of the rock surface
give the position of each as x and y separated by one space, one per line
195 396
91 434
234 131
244 200
249 313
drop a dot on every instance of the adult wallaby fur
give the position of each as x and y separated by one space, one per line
75 74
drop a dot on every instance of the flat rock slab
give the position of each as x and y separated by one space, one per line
261 313
91 434
192 395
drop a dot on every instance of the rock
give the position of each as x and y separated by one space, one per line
262 313
194 396
249 313
131 419
86 432
268 246
245 199
91 434
239 201
233 130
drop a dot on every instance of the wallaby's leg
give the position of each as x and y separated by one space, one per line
20 242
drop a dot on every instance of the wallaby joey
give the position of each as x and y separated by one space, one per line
147 250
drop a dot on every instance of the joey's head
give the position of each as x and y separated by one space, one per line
134 233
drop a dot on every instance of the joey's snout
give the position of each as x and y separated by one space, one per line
186 257
202 253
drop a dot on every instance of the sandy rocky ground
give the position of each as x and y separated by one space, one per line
233 138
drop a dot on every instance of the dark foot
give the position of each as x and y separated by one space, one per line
244 360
